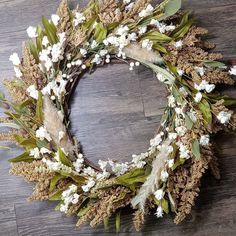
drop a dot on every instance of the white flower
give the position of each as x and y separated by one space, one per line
184 152
204 140
61 135
159 194
79 18
146 43
32 32
33 92
42 134
102 164
88 186
119 168
35 153
147 11
180 72
55 19
132 37
89 171
192 115
181 130
78 163
156 141
122 30
159 212
18 72
200 70
75 199
172 136
142 29
83 52
224 117
102 176
129 7
14 58
179 44
209 88
232 70
171 101
45 41
103 52
44 150
97 59
170 163
126 1
198 97
164 175
94 44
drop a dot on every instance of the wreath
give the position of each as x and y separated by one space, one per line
167 176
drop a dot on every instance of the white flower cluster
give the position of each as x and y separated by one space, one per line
79 18
120 40
36 152
163 28
42 134
51 54
132 64
57 166
55 88
147 11
139 160
232 70
69 196
224 117
33 92
204 85
204 140
14 58
147 43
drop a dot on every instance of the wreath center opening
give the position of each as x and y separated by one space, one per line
114 111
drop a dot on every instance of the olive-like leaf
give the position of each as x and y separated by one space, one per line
214 64
170 8
23 157
196 149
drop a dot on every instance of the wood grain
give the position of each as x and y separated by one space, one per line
115 113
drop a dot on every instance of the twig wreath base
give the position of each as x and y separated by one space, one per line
73 42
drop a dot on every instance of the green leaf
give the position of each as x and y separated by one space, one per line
25 142
118 222
165 205
132 178
157 37
63 158
23 157
33 49
112 26
54 181
170 8
100 33
2 96
56 196
183 28
39 107
205 108
196 149
106 223
214 64
50 31
178 162
188 122
159 48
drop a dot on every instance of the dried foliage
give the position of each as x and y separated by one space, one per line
64 13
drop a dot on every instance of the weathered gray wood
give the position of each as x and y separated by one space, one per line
115 113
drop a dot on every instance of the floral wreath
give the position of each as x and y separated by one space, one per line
73 42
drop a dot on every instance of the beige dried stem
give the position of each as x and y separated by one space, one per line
54 125
153 180
135 51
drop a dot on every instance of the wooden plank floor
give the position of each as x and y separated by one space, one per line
115 113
